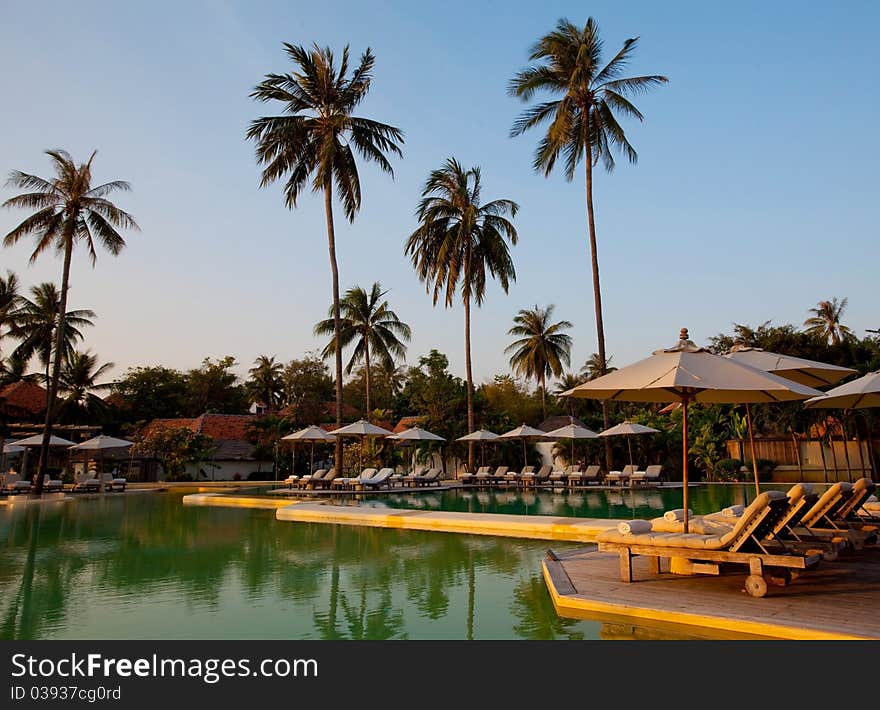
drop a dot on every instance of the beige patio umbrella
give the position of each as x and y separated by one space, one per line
627 428
687 373
100 444
413 435
310 433
37 440
481 435
807 372
524 433
362 429
572 431
862 393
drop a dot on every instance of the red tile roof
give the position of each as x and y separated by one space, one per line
407 423
22 398
217 426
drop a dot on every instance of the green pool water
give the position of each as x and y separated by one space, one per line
144 566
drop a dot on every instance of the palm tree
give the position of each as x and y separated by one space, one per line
542 347
366 319
267 380
593 367
459 240
567 382
79 384
9 304
37 324
67 210
568 65
825 322
311 144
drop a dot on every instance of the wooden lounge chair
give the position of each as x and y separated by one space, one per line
382 479
562 476
429 477
852 511
704 554
85 482
620 477
470 477
112 483
12 483
541 478
593 474
515 477
487 477
407 479
350 482
824 519
51 485
300 481
650 476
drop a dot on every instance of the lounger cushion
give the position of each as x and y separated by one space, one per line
628 527
677 515
700 524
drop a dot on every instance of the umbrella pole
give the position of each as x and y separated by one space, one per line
752 447
571 460
684 459
524 452
312 459
630 447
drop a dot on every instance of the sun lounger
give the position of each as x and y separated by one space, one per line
650 476
407 479
563 477
742 545
852 511
85 482
12 483
111 483
51 485
350 482
484 478
469 477
541 478
430 477
824 520
593 474
382 479
620 477
515 477
300 481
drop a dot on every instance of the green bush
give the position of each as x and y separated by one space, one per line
728 469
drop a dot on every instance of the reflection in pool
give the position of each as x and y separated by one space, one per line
146 566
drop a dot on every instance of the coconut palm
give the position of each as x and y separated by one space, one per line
593 367
267 380
79 386
567 64
37 322
367 321
67 209
459 241
10 301
311 144
542 347
567 382
825 322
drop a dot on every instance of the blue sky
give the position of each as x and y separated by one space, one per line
754 196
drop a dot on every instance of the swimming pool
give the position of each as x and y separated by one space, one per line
144 566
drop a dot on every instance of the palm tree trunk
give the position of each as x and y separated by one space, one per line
469 375
331 240
56 366
367 372
543 398
597 292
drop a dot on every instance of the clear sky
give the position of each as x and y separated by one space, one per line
755 194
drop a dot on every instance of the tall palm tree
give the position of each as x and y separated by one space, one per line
311 144
825 322
542 347
9 304
79 386
567 382
367 321
66 209
586 95
267 380
594 367
37 325
459 239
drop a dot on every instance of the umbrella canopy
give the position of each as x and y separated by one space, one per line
310 433
571 431
858 394
416 434
37 440
806 372
687 373
524 433
12 447
98 443
479 435
627 428
361 428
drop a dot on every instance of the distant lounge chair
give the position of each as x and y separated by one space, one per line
650 476
515 477
542 477
561 476
741 545
51 485
13 483
300 481
85 482
382 479
431 476
350 482
469 477
486 477
111 483
620 477
316 482
833 516
404 479
593 474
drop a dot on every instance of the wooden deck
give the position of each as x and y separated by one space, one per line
838 600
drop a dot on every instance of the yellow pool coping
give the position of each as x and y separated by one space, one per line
219 500
540 527
571 604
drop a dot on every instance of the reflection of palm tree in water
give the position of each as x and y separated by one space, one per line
24 598
471 593
537 617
